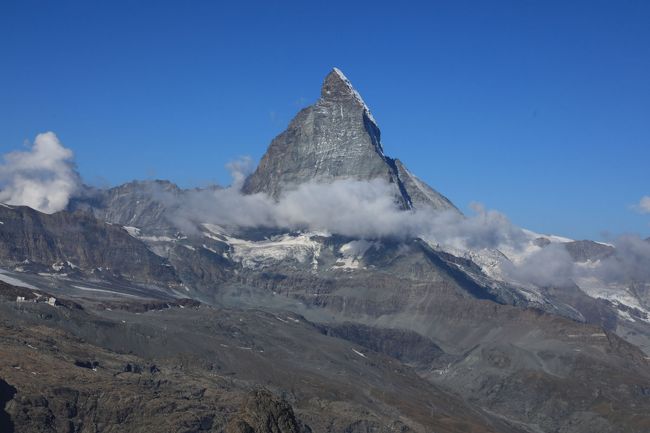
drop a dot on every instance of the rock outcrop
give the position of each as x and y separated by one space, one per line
262 412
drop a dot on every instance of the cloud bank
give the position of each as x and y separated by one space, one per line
551 265
368 210
43 177
362 209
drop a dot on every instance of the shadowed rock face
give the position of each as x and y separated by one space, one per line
136 204
407 346
582 251
262 412
77 243
337 138
7 392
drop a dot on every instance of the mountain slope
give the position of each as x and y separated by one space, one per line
186 369
337 138
134 204
77 243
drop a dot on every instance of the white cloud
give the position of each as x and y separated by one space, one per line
549 266
239 170
361 209
368 210
644 204
43 177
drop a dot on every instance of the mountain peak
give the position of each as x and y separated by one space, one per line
337 88
336 84
337 138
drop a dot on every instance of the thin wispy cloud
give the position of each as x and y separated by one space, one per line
644 204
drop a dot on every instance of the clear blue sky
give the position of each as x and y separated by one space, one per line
540 109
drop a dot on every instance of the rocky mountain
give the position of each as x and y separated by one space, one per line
585 250
337 138
77 243
134 204
345 334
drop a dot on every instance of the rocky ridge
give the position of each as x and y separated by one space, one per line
337 138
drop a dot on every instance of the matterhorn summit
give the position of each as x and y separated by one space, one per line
337 138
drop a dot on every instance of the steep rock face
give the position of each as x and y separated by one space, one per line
405 345
420 193
337 138
77 242
7 392
262 412
583 251
136 204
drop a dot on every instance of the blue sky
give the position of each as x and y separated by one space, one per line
540 109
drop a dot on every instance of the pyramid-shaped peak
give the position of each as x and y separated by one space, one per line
336 84
337 87
335 139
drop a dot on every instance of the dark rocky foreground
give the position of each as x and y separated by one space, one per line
71 368
85 366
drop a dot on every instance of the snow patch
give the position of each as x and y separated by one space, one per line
257 255
213 237
15 281
356 94
625 315
133 231
596 335
215 229
157 239
619 295
90 289
352 254
212 250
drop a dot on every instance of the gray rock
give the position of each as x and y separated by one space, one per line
137 204
337 138
262 412
582 251
72 243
